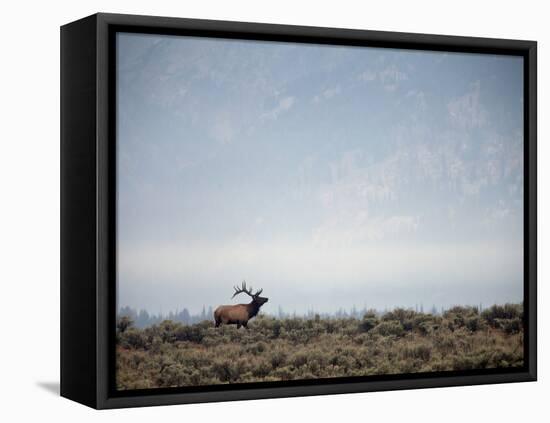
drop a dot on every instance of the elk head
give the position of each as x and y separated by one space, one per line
256 299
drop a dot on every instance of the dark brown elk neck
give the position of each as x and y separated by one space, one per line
253 308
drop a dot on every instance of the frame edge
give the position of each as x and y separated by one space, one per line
78 211
104 21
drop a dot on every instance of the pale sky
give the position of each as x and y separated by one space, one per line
329 176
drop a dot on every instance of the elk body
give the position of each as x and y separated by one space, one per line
240 314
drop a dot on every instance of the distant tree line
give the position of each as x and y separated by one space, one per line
142 318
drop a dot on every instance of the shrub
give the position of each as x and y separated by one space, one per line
192 333
168 331
283 373
417 351
277 358
300 359
225 370
133 338
262 369
475 323
399 314
276 329
507 311
123 323
388 328
369 322
509 326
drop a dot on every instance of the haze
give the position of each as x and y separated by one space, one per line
331 177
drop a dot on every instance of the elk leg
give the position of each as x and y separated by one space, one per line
245 324
238 325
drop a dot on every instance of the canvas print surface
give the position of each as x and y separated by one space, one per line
298 211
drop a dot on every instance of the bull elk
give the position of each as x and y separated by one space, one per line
240 314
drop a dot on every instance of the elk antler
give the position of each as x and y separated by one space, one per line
243 289
258 292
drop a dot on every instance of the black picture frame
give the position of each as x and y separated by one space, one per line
88 206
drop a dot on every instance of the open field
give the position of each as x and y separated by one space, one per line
401 341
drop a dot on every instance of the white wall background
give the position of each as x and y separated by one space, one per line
29 188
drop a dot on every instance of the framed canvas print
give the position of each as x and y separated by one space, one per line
258 211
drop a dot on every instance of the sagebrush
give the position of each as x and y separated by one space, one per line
401 341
